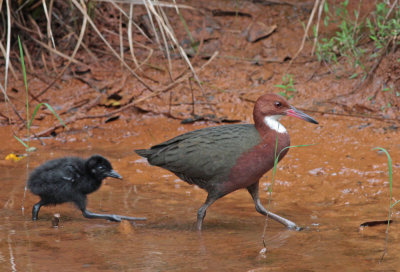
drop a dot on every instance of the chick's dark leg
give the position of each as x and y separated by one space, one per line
253 190
35 210
81 203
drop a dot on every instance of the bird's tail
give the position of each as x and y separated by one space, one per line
144 152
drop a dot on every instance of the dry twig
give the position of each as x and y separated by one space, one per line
82 10
80 116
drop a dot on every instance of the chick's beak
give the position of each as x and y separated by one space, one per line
114 174
299 114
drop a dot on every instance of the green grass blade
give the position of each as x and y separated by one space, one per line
21 141
277 159
34 113
186 27
394 204
390 171
21 52
275 164
55 114
52 111
273 178
390 197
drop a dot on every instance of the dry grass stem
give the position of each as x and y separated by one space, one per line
316 3
28 57
7 58
121 37
321 7
391 9
50 36
58 52
82 10
77 46
132 21
48 18
3 51
130 38
158 3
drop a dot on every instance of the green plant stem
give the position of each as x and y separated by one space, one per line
390 200
27 121
276 159
26 89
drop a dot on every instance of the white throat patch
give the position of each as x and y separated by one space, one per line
273 123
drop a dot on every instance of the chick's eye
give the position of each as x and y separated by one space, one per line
100 167
278 104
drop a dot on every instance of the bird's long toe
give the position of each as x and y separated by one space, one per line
132 218
114 218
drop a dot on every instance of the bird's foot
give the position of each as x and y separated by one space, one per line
114 218
110 217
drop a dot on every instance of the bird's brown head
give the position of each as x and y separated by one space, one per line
269 108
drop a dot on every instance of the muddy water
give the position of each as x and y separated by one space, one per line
330 189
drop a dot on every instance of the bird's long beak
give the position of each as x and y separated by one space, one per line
114 174
299 114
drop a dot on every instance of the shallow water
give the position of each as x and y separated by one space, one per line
330 189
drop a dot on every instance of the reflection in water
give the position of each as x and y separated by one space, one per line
10 250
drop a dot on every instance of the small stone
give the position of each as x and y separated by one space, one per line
55 220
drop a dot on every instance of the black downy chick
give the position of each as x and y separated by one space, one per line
70 179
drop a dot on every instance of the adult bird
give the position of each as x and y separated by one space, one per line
226 158
70 179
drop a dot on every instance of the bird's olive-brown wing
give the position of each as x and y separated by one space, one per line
206 154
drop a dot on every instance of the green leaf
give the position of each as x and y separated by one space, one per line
21 141
389 162
394 204
21 52
277 159
52 111
390 183
353 76
326 7
326 20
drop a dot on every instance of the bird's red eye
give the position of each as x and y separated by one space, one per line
278 104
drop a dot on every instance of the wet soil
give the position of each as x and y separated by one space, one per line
329 188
